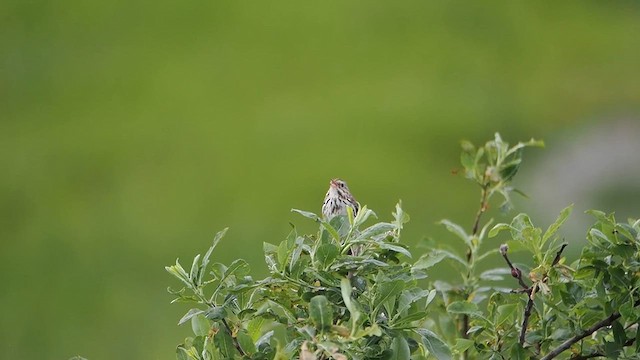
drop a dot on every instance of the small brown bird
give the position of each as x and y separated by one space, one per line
337 200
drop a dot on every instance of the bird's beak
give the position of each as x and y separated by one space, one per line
333 184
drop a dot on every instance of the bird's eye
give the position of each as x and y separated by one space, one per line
341 185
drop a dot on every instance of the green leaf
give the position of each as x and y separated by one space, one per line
629 312
297 251
553 228
430 297
505 312
345 288
326 254
457 230
307 214
395 248
216 313
283 254
496 274
265 339
320 312
430 259
191 313
254 327
619 335
270 253
419 315
238 267
178 271
331 230
195 268
463 307
182 353
245 341
519 226
387 290
377 229
200 325
218 237
408 297
510 169
400 216
224 343
463 345
467 159
475 329
518 352
497 228
207 255
601 216
400 348
434 344
362 216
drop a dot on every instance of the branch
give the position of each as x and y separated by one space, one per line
567 344
559 255
515 272
235 340
474 231
527 314
483 208
594 354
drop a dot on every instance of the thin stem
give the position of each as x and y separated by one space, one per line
483 206
235 340
527 314
484 197
595 354
559 255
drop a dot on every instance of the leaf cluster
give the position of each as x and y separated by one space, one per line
348 292
353 290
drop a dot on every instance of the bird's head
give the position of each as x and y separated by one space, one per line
338 186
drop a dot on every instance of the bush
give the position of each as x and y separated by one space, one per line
320 302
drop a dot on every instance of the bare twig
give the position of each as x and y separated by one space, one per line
559 255
527 314
600 324
515 272
483 207
530 291
595 354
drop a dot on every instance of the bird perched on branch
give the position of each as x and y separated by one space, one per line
337 200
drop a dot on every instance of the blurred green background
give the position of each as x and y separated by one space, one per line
131 132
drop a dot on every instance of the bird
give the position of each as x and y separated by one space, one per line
337 200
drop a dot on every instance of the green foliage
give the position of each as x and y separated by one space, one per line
321 302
